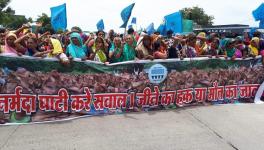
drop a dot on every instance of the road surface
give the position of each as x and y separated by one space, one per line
219 127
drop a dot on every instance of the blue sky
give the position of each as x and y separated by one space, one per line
86 13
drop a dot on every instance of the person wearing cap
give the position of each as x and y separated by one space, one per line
201 45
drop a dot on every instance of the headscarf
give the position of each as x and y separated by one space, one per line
8 49
129 53
255 39
100 55
254 50
57 49
141 47
201 35
230 51
223 43
154 38
74 50
115 50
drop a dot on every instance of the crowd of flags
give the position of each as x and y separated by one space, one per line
173 22
258 14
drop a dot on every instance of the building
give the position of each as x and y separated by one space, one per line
237 29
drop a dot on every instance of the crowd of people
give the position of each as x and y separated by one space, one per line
112 47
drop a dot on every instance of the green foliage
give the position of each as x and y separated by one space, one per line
46 24
8 17
15 21
198 15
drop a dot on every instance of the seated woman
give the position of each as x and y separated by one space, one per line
201 46
213 48
31 48
129 52
10 47
116 51
91 40
230 49
2 39
158 52
174 51
240 48
144 48
98 53
190 50
54 51
253 47
182 47
76 49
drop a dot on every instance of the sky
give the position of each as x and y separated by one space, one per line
86 13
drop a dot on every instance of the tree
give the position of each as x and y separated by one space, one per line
8 17
5 11
198 15
15 21
46 24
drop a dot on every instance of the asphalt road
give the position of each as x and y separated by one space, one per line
222 127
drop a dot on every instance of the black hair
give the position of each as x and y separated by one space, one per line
157 32
2 30
156 45
130 31
169 32
217 40
97 33
76 28
257 34
191 37
121 36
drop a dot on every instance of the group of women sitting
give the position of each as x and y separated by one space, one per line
113 47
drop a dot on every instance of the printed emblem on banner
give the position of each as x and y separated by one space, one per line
157 73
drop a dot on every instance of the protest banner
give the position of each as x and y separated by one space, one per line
35 90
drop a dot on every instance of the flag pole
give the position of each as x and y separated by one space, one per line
125 32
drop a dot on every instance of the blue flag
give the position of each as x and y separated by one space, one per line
130 26
134 20
261 24
162 28
125 14
150 29
174 22
258 14
59 17
100 25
